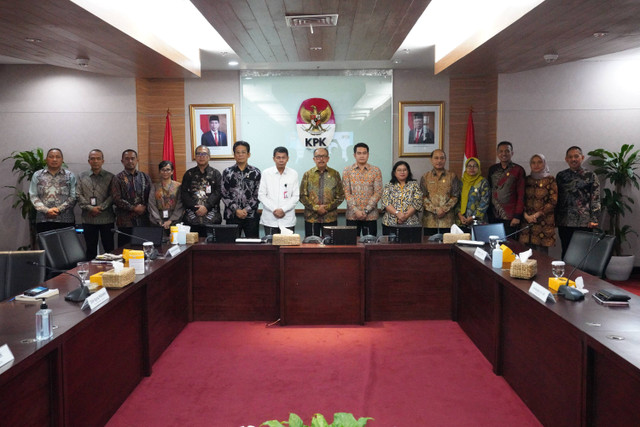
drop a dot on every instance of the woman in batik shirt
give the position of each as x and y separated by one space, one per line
401 198
541 196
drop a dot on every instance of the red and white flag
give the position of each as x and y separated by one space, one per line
470 142
167 145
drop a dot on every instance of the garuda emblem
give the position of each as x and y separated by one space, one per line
315 119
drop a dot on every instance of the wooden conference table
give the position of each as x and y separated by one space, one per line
568 371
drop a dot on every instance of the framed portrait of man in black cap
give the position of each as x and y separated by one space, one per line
213 125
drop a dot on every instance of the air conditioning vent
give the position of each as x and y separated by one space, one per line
328 20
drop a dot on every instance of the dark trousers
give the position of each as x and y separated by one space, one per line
95 232
315 228
250 226
565 234
275 230
366 227
47 226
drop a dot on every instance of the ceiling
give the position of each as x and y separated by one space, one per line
367 35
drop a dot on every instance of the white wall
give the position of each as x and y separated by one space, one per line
43 106
591 104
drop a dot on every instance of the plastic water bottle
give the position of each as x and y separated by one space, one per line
44 322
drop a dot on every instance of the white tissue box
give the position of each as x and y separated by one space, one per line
452 238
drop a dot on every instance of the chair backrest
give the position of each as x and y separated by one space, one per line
601 248
63 249
17 275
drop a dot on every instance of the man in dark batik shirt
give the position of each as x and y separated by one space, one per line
578 206
240 185
201 192
506 180
130 192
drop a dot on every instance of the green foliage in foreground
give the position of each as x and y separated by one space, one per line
340 419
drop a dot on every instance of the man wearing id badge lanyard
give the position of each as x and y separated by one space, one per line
201 193
96 203
279 194
130 191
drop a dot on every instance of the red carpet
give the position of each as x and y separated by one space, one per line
404 374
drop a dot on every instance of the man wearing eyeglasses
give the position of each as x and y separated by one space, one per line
321 193
201 193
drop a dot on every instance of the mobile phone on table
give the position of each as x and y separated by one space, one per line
35 291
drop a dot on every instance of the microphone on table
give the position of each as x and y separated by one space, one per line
76 295
518 231
567 291
151 256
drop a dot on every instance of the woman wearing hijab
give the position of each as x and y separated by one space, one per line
475 195
540 198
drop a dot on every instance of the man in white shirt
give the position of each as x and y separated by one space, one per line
279 193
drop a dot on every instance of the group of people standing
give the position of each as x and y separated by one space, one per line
534 204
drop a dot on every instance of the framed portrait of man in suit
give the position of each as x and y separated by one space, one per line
213 125
421 127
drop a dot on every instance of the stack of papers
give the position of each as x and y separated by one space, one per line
49 293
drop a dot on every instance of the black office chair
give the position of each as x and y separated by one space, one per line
16 275
596 262
63 248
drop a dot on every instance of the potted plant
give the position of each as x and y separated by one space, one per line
340 419
26 163
619 168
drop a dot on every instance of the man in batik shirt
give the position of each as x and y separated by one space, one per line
53 194
362 189
441 192
506 180
130 191
201 192
321 193
240 185
578 206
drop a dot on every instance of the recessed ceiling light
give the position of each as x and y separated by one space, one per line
315 48
397 61
233 63
600 34
32 40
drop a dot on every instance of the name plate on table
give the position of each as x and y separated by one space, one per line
172 251
96 300
541 293
5 355
481 254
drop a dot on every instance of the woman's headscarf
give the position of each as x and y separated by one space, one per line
468 182
545 171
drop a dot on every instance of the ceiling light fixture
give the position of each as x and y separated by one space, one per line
82 62
315 48
32 40
457 27
233 63
600 34
550 57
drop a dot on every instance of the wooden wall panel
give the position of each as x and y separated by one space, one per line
153 98
480 94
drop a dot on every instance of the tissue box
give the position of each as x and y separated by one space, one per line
555 282
192 237
113 280
452 238
523 270
286 240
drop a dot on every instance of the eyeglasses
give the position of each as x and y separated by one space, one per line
166 170
202 154
472 166
321 157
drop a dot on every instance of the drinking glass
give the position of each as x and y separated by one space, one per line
557 268
148 250
83 270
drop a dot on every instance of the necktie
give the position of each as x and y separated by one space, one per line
215 136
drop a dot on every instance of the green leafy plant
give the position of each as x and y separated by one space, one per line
340 419
25 164
619 168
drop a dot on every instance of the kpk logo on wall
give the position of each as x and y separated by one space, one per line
316 123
